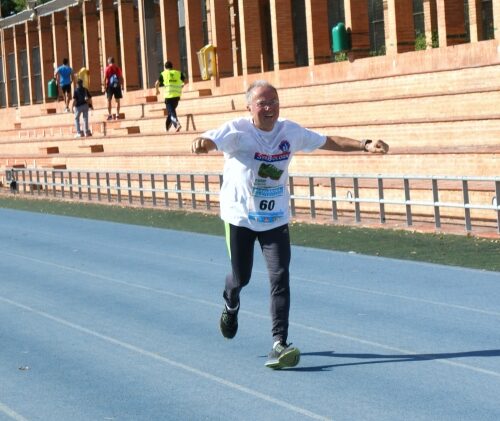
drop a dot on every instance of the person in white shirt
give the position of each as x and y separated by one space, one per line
254 202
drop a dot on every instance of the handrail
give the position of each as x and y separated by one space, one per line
469 201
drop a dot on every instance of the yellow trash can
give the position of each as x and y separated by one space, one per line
84 75
207 61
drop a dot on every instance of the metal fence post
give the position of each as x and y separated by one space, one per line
38 181
54 190
45 181
193 193
108 187
497 197
129 187
30 174
141 192
165 189
98 183
357 208
179 191
24 181
311 197
118 188
292 195
79 178
207 192
153 188
333 194
409 220
89 190
70 179
435 197
61 173
465 190
380 183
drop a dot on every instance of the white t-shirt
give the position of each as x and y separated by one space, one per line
254 192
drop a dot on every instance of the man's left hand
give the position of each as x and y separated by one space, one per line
377 146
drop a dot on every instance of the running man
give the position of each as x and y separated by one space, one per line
254 202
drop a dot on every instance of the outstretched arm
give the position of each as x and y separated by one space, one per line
202 145
346 144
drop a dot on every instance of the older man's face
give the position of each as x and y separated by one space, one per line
264 107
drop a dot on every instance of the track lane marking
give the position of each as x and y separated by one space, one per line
11 413
333 284
160 358
299 325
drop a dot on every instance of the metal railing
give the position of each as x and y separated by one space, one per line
471 202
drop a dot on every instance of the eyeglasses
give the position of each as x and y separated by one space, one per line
267 104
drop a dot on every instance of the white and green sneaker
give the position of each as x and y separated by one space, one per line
283 355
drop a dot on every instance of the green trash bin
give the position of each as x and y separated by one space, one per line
52 89
340 38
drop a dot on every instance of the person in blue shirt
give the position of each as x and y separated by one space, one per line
64 78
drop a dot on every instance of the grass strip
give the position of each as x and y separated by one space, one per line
447 249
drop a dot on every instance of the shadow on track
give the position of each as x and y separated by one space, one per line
388 358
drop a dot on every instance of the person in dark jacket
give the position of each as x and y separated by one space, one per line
82 102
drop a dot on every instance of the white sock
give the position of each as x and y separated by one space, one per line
232 310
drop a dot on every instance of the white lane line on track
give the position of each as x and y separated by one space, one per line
401 297
332 284
407 352
176 364
4 409
260 316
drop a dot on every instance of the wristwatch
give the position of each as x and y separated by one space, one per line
364 144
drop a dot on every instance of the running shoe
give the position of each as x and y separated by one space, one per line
283 355
229 323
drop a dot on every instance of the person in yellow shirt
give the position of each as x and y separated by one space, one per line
172 82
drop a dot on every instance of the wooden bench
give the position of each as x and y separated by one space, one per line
95 148
49 110
149 98
50 150
197 93
127 130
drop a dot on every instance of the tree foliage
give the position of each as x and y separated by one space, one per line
11 7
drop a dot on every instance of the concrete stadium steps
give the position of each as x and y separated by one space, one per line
116 144
480 105
448 134
409 138
436 123
425 84
200 114
27 148
117 152
457 132
437 162
436 83
62 119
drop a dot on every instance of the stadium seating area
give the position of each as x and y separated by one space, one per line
438 122
444 123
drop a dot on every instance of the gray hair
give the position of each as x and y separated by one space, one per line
257 84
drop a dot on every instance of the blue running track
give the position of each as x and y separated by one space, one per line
106 321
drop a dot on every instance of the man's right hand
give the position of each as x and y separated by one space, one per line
202 145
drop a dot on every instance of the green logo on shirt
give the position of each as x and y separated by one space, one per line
269 170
